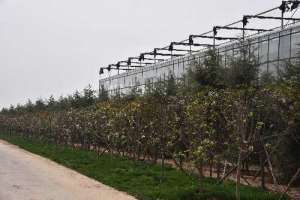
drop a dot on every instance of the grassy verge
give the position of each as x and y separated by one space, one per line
137 178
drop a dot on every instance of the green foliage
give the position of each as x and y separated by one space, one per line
40 104
242 72
288 158
103 94
134 93
267 78
171 86
207 73
29 106
289 147
79 99
290 72
204 128
51 101
88 96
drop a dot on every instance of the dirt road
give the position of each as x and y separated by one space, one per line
25 176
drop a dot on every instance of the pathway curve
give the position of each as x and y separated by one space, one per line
26 176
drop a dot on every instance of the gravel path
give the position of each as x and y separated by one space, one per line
26 176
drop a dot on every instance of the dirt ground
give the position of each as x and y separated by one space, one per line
293 192
25 176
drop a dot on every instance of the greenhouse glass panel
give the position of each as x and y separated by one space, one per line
295 45
285 44
273 49
263 68
229 53
263 50
119 82
254 48
273 67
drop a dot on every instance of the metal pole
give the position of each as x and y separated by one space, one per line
215 32
243 45
282 21
282 8
214 41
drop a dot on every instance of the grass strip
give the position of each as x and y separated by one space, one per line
137 178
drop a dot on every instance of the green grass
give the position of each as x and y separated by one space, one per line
138 178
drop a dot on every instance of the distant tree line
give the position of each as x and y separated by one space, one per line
79 99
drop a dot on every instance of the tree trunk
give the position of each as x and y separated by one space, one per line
238 176
262 171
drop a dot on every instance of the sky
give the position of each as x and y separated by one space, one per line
53 47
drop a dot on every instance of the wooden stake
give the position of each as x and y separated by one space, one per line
238 176
234 168
290 183
270 167
225 166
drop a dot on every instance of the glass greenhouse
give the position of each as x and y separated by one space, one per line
271 49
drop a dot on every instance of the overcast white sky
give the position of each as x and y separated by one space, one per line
57 46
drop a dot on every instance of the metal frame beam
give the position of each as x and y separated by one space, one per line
171 48
150 59
129 63
194 44
118 66
271 17
114 68
155 53
139 63
211 37
242 29
142 57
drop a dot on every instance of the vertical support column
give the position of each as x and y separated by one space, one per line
244 32
283 9
258 50
282 21
278 53
215 32
243 44
191 42
268 54
290 56
225 55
